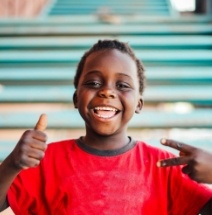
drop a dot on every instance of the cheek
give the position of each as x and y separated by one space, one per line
80 101
130 102
84 97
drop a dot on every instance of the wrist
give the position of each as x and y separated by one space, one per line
9 166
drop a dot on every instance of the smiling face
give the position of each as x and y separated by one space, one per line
108 95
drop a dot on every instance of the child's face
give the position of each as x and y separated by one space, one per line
108 92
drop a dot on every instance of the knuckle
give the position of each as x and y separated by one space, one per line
41 146
27 133
35 163
193 161
24 148
25 141
41 155
23 159
39 135
29 163
44 147
179 146
21 164
195 151
45 137
174 161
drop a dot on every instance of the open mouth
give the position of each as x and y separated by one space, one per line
105 112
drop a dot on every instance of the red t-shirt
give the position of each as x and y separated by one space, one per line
71 181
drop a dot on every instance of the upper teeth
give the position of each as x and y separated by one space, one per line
106 108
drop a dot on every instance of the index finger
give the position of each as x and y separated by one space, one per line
176 161
42 123
182 147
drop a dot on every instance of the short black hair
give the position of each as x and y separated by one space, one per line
112 44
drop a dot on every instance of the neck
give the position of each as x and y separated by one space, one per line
101 142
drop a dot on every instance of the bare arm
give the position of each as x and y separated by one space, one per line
8 174
27 153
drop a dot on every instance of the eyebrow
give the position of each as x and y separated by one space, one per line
124 75
92 72
98 72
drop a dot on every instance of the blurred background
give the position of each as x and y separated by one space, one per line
42 41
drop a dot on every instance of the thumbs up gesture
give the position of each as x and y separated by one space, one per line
31 147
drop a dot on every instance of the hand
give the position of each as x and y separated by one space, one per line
197 162
31 147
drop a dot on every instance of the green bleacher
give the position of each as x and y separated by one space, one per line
38 59
66 7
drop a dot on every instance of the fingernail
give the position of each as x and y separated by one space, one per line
163 141
158 164
161 164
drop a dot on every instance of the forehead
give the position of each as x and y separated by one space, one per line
111 59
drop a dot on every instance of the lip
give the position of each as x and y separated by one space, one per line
106 108
105 117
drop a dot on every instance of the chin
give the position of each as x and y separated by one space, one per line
105 132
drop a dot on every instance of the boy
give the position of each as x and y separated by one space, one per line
104 171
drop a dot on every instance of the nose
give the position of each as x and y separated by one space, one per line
107 93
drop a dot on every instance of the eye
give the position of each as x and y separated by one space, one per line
93 84
123 86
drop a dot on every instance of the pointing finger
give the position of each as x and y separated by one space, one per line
42 123
182 147
173 161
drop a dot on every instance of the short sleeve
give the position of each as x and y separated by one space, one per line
24 195
186 196
40 190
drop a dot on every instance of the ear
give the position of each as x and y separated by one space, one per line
139 106
75 99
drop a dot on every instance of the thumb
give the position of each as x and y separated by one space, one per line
42 123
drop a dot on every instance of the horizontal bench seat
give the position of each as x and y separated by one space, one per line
154 57
65 75
124 7
142 42
110 2
116 10
200 118
93 19
63 94
108 29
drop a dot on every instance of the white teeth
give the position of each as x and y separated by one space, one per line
106 108
105 117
